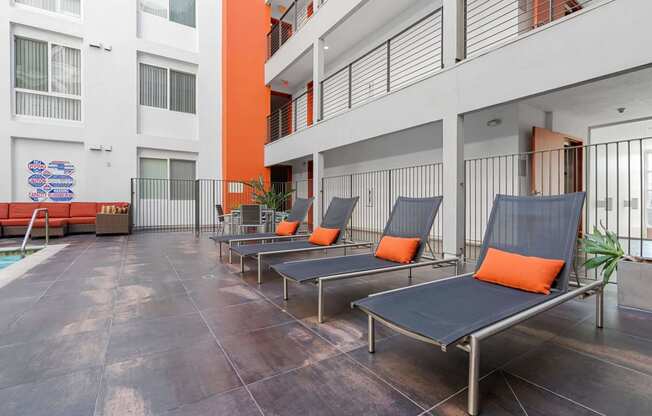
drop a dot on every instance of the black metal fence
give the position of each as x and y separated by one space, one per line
191 205
491 22
410 56
616 176
293 19
378 191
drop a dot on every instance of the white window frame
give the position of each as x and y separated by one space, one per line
49 93
168 86
57 12
168 161
167 14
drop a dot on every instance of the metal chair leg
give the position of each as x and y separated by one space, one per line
599 308
260 270
241 264
285 289
230 254
320 301
474 376
220 244
372 335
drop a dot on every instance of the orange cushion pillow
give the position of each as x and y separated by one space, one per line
397 249
287 228
324 236
532 274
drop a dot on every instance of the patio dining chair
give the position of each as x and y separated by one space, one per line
299 212
462 311
410 218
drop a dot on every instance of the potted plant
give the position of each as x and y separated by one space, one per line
270 197
634 273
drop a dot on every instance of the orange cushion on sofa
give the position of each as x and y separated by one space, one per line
397 249
39 223
83 209
4 211
324 236
22 209
55 209
532 274
287 228
82 220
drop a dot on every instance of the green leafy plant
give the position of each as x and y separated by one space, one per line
606 250
267 195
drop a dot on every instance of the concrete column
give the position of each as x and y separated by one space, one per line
317 76
453 205
317 175
454 32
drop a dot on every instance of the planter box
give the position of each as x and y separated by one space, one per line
635 285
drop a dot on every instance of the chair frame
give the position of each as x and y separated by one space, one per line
471 342
243 239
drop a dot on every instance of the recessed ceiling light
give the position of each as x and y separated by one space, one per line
325 47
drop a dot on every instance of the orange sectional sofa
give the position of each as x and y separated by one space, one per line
64 218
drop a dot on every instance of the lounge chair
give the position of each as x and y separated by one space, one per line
410 217
299 212
337 217
462 311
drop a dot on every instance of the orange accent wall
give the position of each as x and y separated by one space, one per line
309 103
245 98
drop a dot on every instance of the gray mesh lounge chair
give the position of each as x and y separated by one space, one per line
410 217
337 216
536 226
299 212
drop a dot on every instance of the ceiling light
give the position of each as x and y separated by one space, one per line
325 47
494 122
621 110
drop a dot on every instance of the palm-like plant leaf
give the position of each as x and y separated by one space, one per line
606 250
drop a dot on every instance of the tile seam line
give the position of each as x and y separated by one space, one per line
50 286
108 343
226 356
345 353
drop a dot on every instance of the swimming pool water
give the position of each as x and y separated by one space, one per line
6 261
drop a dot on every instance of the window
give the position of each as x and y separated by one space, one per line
153 178
182 92
47 79
162 177
154 89
182 175
69 7
153 86
179 11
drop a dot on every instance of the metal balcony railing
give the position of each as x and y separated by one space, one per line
408 57
492 22
294 116
299 12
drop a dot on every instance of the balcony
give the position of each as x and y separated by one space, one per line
415 53
289 23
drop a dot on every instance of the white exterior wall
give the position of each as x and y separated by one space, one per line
111 114
504 74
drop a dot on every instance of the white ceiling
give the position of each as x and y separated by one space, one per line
597 102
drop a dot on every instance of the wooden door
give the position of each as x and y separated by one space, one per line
556 163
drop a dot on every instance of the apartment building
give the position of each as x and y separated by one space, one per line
97 93
465 99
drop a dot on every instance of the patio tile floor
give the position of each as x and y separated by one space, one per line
155 324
